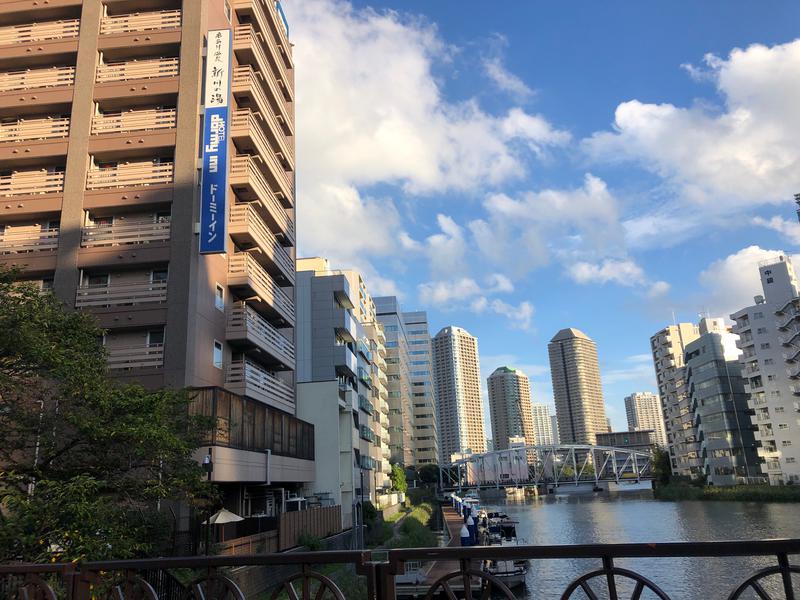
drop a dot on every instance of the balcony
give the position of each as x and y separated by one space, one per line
31 79
26 183
121 294
265 14
365 405
39 32
250 85
246 327
248 183
246 378
246 274
44 240
366 433
344 360
247 129
137 69
248 230
136 357
249 48
140 22
345 324
118 235
24 130
134 120
130 174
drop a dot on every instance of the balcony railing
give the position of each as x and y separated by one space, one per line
249 123
266 15
120 234
245 322
131 174
245 37
247 79
242 265
136 357
31 79
34 129
137 69
134 120
121 294
249 379
39 32
145 21
23 183
28 241
244 218
245 169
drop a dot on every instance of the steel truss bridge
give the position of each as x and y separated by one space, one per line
543 465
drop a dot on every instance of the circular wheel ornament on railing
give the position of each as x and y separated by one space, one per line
133 588
213 587
35 588
487 584
308 585
609 585
755 584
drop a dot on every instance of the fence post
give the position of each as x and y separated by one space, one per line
384 581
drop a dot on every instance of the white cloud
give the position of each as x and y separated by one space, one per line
790 230
715 159
636 369
505 80
620 271
441 293
370 111
446 250
731 282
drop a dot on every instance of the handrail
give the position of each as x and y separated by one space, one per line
34 129
245 214
141 173
137 69
12 242
134 120
245 165
121 294
243 317
135 22
242 263
247 76
124 233
40 32
23 183
28 79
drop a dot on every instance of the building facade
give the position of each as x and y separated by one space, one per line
456 376
640 439
99 145
643 410
668 346
768 337
510 408
720 406
423 398
554 429
543 425
338 373
578 393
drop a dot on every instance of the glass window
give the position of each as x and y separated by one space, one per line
217 354
219 298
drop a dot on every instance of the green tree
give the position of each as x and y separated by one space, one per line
428 474
662 466
398 477
84 463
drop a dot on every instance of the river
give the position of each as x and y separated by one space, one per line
636 517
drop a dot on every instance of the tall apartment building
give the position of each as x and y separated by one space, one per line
554 429
643 410
769 337
102 105
456 376
575 372
339 366
398 370
510 407
719 405
543 425
668 346
423 398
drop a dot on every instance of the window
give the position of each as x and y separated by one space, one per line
158 276
769 279
779 409
783 426
765 346
761 330
768 361
155 337
219 298
790 459
217 354
786 443
758 315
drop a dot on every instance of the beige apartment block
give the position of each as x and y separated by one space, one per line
543 423
510 408
643 410
668 347
423 397
101 111
578 393
456 376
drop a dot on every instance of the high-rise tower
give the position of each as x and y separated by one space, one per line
643 410
456 375
510 407
576 386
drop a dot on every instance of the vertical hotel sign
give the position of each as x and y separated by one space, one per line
214 179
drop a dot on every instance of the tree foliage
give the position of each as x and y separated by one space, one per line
84 463
428 474
662 466
398 477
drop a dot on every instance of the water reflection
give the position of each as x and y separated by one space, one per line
630 517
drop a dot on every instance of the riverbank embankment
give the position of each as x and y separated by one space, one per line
736 493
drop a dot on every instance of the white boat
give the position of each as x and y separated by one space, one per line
510 572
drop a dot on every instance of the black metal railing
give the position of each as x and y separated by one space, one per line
456 572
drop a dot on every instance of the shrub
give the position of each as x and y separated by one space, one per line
312 542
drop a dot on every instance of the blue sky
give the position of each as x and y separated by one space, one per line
519 167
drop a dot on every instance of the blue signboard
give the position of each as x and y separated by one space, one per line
216 121
283 17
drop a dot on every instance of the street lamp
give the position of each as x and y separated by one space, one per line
208 467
